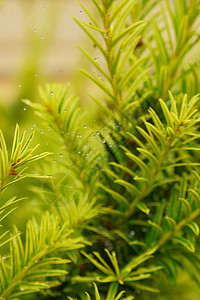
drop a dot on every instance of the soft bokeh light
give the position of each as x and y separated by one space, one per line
38 43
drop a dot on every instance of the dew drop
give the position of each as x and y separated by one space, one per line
47 144
61 155
94 136
31 128
3 257
77 135
34 30
19 85
85 126
103 141
52 93
90 148
62 132
64 110
99 76
79 152
80 135
44 8
104 130
81 11
36 75
22 289
86 153
41 131
24 108
132 233
34 125
97 132
42 37
54 160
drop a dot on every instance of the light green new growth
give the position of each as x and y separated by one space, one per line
127 188
20 155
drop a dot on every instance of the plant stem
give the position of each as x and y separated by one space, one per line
19 277
144 191
177 228
73 157
110 61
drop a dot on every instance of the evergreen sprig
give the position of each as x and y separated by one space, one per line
21 154
136 212
60 111
119 81
29 266
172 35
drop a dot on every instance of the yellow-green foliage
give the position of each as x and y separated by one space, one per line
127 191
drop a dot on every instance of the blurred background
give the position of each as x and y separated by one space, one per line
38 44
